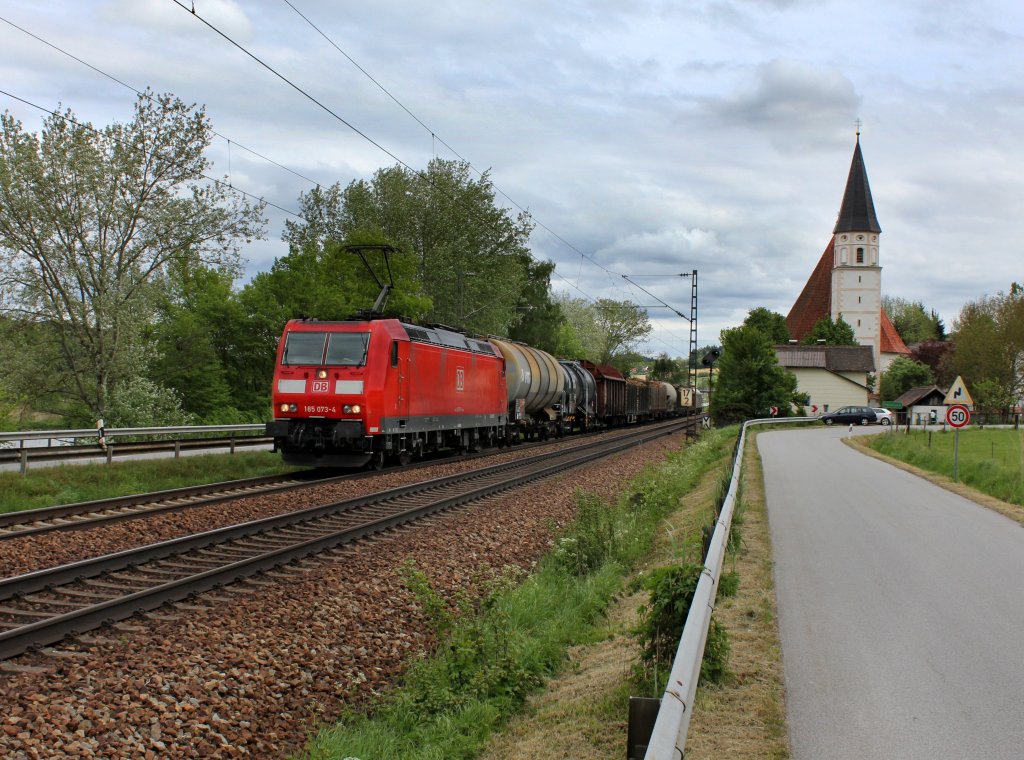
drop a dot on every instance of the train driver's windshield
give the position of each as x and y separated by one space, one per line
342 349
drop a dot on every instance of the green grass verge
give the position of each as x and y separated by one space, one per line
67 484
992 461
493 653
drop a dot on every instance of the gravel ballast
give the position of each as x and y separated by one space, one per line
250 670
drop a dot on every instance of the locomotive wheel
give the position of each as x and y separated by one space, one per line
404 458
377 460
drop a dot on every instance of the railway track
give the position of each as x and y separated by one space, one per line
90 514
47 606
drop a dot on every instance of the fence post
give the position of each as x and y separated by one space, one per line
24 460
110 454
232 444
177 449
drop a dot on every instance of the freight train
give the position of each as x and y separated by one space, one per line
366 391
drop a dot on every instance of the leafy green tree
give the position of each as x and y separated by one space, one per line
621 324
834 333
771 323
989 343
541 319
912 322
140 402
993 399
91 220
186 336
472 255
581 337
670 370
749 379
902 375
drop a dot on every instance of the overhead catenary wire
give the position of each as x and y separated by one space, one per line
372 141
144 94
434 137
93 129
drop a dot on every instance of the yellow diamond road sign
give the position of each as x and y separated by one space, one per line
958 393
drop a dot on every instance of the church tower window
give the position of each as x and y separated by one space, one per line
860 255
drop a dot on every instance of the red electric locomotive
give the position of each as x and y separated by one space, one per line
352 393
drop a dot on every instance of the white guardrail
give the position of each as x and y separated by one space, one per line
668 738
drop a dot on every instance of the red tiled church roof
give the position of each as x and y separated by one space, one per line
815 299
815 302
892 343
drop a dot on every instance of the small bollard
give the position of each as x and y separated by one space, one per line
110 454
24 461
177 449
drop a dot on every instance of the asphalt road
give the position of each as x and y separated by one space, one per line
901 608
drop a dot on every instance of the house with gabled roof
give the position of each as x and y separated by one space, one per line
847 280
831 376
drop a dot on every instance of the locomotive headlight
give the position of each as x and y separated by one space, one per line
293 407
351 409
284 407
321 374
356 409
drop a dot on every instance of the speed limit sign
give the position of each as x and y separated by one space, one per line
958 415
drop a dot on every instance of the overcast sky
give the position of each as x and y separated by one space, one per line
653 137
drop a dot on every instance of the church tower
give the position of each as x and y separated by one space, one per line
848 277
856 272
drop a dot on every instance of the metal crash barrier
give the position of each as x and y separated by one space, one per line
668 738
21 447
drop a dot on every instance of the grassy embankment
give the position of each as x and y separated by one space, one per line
67 484
571 625
989 461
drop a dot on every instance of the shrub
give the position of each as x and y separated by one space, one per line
662 620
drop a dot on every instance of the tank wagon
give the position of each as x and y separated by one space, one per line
365 391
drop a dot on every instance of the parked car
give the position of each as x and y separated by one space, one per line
884 416
861 415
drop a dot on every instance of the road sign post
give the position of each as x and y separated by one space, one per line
957 416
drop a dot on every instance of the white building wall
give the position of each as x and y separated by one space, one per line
828 390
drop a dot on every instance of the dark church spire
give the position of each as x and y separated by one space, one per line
858 211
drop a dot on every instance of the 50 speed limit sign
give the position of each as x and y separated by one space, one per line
958 415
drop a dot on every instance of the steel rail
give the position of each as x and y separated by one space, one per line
489 480
29 521
46 519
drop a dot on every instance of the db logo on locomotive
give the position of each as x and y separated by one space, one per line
460 379
321 386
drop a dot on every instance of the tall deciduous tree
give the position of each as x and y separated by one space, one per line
92 219
472 255
622 324
541 321
833 333
902 375
771 323
912 322
749 378
989 345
